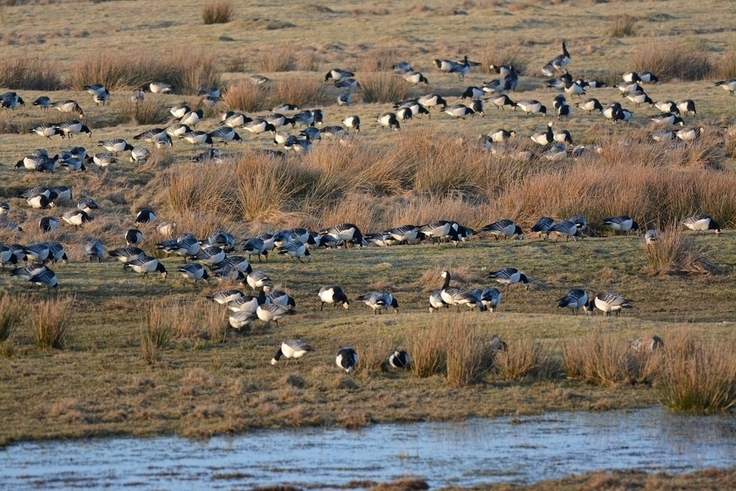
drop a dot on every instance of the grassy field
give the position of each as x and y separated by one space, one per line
206 380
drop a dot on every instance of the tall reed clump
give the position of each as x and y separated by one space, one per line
301 92
218 12
699 375
674 61
11 314
143 112
725 68
374 355
601 359
676 253
30 73
277 60
382 87
622 26
200 186
523 358
51 321
156 328
263 190
498 55
242 95
185 70
427 349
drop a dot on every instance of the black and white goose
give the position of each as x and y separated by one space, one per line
140 154
68 106
333 295
436 302
509 276
432 100
93 249
224 134
542 226
48 224
197 137
127 254
44 102
223 297
101 97
575 299
380 300
502 101
295 249
337 74
503 228
458 111
687 106
258 279
590 105
404 233
291 348
29 271
454 295
247 303
729 85
562 60
652 236
347 359
639 98
258 126
160 88
74 127
501 135
269 312
191 118
346 232
185 245
234 119
10 100
621 223
76 217
45 278
702 223
490 298
145 216
279 297
256 246
532 106
48 130
608 302
689 134
210 255
667 107
133 236
146 264
567 229
193 271
667 119
116 145
648 78
544 137
399 359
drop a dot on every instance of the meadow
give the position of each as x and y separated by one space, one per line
107 374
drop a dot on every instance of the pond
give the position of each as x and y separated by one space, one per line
509 449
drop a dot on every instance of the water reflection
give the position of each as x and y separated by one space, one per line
483 450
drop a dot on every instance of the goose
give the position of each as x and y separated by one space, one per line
285 107
667 107
461 69
126 254
40 201
256 246
137 96
176 130
441 229
563 136
36 162
404 233
399 359
192 118
334 295
401 67
210 91
68 106
101 97
652 236
29 271
622 115
459 111
10 100
310 133
295 249
279 297
347 359
491 87
490 298
667 118
563 110
729 85
648 78
268 312
454 295
353 122
503 228
94 88
445 65
687 106
257 279
608 302
160 88
4 209
702 223
258 126
404 113
210 255
334 132
291 348
47 224
436 302
145 215
574 299
197 138
281 137
48 130
609 112
56 252
179 110
544 137
185 245
224 134
74 127
501 135
299 146
651 343
153 135
44 102
146 264
348 83
133 236
590 105
472 92
628 87
542 226
639 98
476 106
337 74
567 229
220 238
510 276
76 217
116 145
532 106
233 264
562 60
380 300
415 78
234 119
631 77
45 278
689 134
223 297
502 101
140 154
621 223
346 232
431 100
7 256
94 249
304 118
556 152
241 319
193 271
246 303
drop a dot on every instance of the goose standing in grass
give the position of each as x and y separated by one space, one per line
76 217
544 137
269 312
44 102
432 100
291 348
380 300
562 60
126 254
542 226
29 271
454 295
295 249
140 154
256 246
621 223
94 249
146 264
45 278
247 303
68 106
503 228
651 343
399 359
502 135
224 134
352 122
74 127
145 215
48 224
667 119
567 229
333 295
639 98
687 106
441 229
415 78
510 276
223 297
348 83
210 255
436 302
690 134
608 302
346 232
652 236
11 100
389 120
531 106
185 245
197 138
347 359
575 299
133 236
590 105
258 279
193 271
48 130
702 223
459 111
502 101
160 88
490 298
337 74
729 85
116 145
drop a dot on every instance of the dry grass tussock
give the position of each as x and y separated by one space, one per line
698 375
30 73
242 95
11 314
676 253
51 321
382 87
524 358
674 61
378 60
155 330
144 112
304 93
218 12
374 355
725 67
277 60
622 26
601 359
186 71
499 55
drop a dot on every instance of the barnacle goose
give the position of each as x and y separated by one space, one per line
542 226
94 249
574 299
347 359
380 300
334 295
268 312
621 223
503 228
608 302
291 348
510 276
702 223
399 359
146 264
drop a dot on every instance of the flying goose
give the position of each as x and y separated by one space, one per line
333 295
291 348
380 300
347 359
621 223
503 228
510 276
399 359
701 223
574 299
608 302
146 264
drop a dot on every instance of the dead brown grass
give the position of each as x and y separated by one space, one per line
600 359
302 92
676 253
144 112
469 355
218 12
277 60
383 87
374 355
498 55
11 314
674 61
30 73
523 358
51 321
725 67
155 331
427 348
622 25
242 95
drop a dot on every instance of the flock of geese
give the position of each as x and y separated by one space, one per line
216 251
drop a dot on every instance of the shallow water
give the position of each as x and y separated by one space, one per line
523 449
